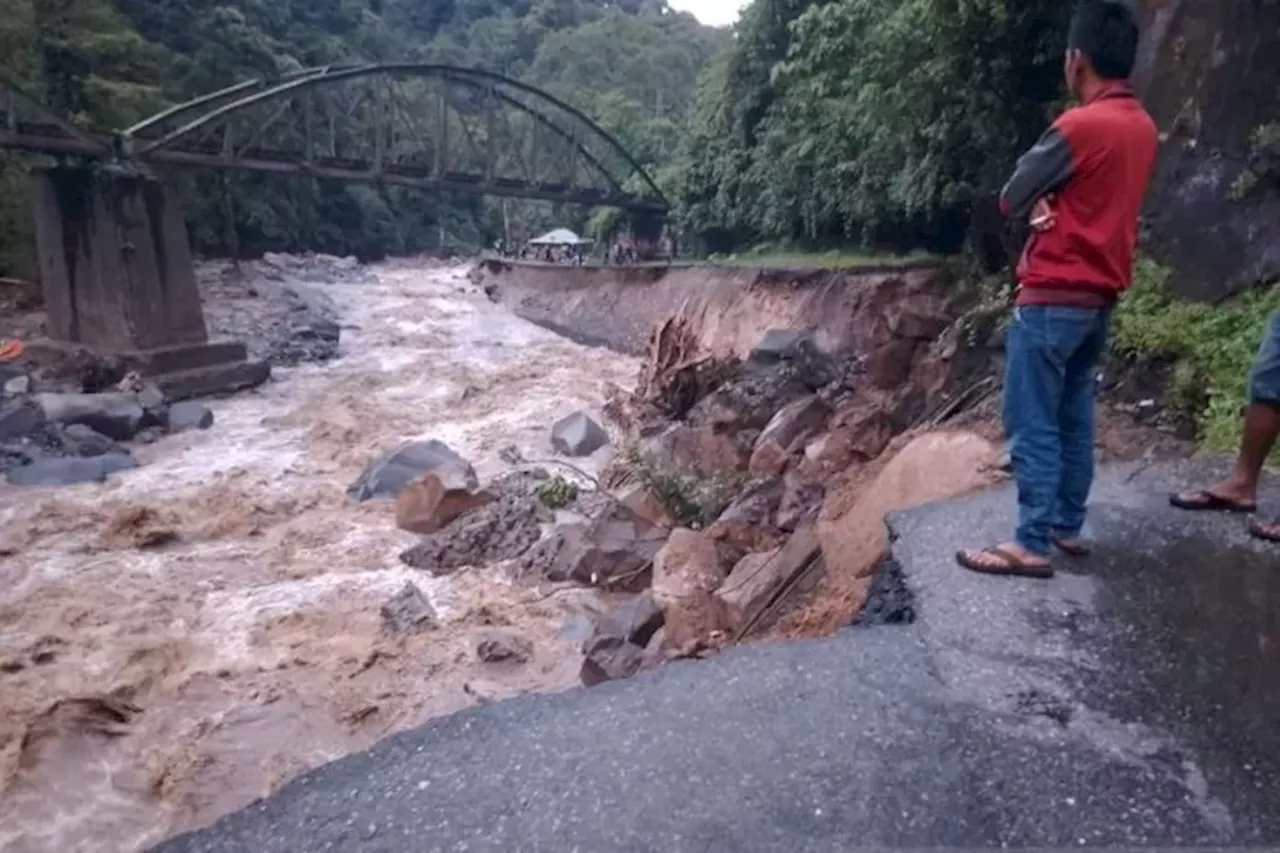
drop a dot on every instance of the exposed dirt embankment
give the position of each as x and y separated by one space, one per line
730 309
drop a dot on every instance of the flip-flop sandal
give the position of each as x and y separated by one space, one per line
10 350
1012 567
1071 547
1265 531
1207 501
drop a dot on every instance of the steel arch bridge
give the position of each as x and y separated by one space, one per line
409 124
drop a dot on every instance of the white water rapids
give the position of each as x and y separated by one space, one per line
208 671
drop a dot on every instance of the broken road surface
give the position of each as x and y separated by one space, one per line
1131 700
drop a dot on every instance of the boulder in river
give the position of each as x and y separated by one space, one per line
432 502
189 415
20 418
117 415
408 610
385 477
82 440
69 471
614 549
494 646
578 435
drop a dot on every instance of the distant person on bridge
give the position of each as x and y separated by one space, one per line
1082 185
1239 492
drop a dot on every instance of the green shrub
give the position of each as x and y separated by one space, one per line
1214 345
556 493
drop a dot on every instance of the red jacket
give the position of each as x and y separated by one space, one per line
1097 160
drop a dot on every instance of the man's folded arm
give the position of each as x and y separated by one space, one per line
1042 170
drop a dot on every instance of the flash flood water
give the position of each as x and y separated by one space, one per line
147 689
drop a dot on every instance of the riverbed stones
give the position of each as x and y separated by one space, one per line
117 415
578 435
188 415
408 611
385 477
69 470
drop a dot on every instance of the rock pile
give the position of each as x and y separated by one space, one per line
56 437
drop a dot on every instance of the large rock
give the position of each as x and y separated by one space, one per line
578 435
795 423
408 611
637 498
117 415
82 440
636 620
611 659
685 574
431 503
20 418
188 415
780 344
385 477
757 578
703 449
494 646
756 505
69 471
615 548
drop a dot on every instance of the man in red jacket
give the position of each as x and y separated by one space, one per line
1082 185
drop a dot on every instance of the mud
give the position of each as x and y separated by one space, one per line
194 633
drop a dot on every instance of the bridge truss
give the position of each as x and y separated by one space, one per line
409 124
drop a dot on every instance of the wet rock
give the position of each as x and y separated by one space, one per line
69 471
610 659
634 621
117 415
431 503
779 344
757 578
408 611
614 549
578 435
20 418
502 647
189 415
701 449
685 573
385 477
81 440
637 498
801 502
18 385
756 505
796 423
499 531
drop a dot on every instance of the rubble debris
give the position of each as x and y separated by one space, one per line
801 502
431 503
610 659
502 530
755 582
20 418
636 620
689 562
614 549
57 471
188 415
385 477
788 431
409 610
578 435
639 499
117 415
780 344
494 646
756 505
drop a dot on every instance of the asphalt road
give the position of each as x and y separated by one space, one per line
1132 700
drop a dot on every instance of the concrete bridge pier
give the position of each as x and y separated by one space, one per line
116 269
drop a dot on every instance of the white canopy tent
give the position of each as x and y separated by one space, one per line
559 237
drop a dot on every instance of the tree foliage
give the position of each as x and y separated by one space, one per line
631 64
880 121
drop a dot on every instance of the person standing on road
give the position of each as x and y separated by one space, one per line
1239 491
1082 184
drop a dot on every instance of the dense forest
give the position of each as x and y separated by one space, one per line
874 122
631 64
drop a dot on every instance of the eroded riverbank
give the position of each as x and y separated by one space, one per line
144 691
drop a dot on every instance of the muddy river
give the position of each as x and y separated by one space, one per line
196 632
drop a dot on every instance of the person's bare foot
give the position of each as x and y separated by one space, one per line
1007 559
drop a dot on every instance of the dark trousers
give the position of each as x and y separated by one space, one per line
1049 388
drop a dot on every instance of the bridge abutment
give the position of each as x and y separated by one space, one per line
117 273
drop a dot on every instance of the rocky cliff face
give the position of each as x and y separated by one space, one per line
1210 76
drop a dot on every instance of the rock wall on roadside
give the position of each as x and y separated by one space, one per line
1209 75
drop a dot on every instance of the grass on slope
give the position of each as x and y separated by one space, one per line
774 256
1214 346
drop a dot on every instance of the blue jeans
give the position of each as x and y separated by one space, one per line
1050 381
